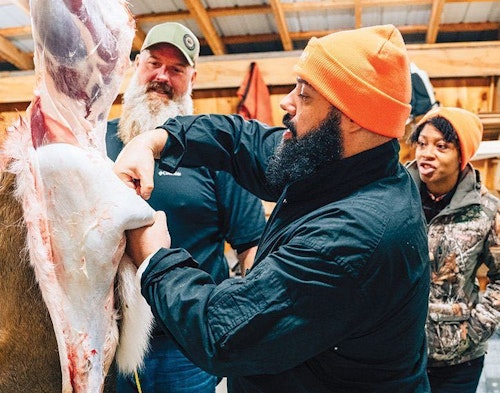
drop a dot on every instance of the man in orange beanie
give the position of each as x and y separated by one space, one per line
463 228
337 298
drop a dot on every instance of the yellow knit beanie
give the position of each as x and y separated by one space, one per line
365 73
467 125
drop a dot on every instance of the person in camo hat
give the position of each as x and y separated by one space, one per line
337 298
464 226
206 208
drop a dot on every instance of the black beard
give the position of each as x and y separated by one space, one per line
297 158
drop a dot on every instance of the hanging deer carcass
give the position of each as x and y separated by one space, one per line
64 213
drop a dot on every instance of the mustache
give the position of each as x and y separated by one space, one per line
287 122
160 87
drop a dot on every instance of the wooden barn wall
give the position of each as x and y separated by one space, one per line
462 75
476 94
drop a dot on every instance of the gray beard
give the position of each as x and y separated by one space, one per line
144 111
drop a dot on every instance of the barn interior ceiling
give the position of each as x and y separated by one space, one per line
227 27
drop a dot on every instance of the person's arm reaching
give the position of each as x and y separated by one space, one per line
241 327
219 142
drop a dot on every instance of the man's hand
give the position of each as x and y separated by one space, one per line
145 241
135 164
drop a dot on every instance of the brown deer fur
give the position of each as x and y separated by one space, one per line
29 360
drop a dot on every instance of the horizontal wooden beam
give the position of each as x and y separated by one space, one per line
454 60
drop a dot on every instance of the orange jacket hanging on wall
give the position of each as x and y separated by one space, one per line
255 101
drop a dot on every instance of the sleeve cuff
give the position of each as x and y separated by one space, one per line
172 152
176 257
144 266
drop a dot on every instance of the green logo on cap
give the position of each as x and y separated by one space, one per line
188 41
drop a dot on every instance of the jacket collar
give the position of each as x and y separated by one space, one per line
345 176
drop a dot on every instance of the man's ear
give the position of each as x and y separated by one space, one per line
193 76
349 125
136 60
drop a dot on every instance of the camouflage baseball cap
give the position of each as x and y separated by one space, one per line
176 34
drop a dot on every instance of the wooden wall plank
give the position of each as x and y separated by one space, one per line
473 94
218 72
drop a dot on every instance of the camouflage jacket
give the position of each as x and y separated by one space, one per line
463 236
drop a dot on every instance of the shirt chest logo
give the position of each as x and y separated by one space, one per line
165 173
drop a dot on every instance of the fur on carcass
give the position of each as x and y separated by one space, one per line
75 211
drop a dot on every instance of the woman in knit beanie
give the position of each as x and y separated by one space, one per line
463 222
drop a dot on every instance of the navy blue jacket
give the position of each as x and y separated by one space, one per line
337 298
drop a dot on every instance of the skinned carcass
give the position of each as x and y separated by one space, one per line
64 212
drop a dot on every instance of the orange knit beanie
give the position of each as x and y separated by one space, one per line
467 125
365 73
